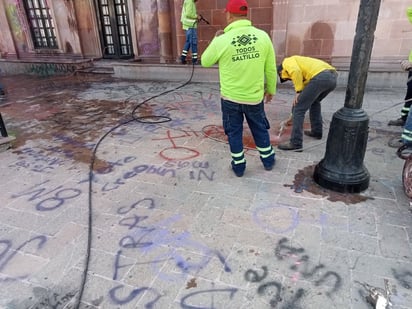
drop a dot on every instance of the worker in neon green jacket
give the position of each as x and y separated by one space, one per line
247 73
313 79
189 19
406 65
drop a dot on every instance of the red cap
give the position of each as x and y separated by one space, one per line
237 7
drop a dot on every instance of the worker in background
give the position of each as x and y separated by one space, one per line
406 65
189 19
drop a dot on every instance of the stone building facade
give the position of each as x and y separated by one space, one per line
150 30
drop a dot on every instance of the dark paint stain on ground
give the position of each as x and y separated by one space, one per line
276 137
191 284
48 108
304 181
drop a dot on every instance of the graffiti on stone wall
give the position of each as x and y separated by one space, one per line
14 16
50 69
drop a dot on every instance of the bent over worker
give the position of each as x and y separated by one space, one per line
313 79
246 58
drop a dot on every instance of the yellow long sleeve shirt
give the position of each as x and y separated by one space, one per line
300 70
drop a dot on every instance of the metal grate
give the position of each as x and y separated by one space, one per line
42 27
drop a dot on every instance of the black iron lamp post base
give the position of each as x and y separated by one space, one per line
342 168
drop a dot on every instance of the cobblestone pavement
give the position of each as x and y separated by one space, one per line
144 182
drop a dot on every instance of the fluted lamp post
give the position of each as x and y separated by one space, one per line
342 169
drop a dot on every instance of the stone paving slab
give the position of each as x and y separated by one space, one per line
170 225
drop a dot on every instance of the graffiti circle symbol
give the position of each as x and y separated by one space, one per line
283 214
179 153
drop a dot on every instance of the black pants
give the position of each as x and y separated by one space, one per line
406 107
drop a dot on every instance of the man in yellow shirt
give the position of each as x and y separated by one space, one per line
246 59
313 80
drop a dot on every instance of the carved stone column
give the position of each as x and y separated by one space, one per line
165 31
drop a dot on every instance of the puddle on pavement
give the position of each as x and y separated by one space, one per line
304 182
48 109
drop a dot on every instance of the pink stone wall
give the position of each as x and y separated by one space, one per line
317 28
260 13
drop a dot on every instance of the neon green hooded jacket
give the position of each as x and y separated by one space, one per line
409 14
189 15
246 59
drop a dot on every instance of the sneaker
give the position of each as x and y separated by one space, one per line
395 142
311 134
183 59
397 122
290 146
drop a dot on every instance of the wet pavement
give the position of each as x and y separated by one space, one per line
130 182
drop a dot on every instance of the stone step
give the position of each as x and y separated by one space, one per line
5 142
97 70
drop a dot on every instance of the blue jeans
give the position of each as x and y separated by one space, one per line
190 43
309 99
233 115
